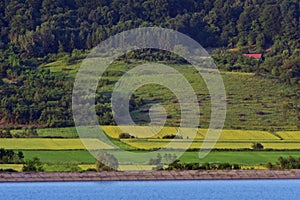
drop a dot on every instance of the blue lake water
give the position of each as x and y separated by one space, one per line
241 189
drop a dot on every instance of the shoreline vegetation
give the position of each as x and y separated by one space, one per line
149 175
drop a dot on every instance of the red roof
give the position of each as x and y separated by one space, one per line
255 56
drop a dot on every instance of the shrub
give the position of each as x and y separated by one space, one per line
260 113
34 165
285 163
224 166
172 137
5 133
257 146
236 166
176 165
30 132
270 166
125 136
8 170
90 170
159 166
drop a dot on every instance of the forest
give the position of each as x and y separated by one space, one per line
35 32
35 28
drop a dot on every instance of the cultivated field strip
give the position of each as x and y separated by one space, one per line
51 144
289 135
152 138
178 144
146 132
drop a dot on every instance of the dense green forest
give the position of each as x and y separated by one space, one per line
35 32
38 27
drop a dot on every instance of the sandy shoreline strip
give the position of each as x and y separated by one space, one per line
149 175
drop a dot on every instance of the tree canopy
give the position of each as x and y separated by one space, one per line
35 28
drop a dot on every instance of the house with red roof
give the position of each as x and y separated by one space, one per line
258 56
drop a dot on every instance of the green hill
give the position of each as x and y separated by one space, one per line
253 102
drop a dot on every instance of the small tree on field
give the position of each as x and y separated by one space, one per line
34 165
257 146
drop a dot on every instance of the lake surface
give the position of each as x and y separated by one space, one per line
241 189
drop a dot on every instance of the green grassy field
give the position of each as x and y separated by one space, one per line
58 132
76 160
243 158
69 132
62 157
253 102
246 158
61 66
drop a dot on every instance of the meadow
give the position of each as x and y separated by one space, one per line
253 102
69 132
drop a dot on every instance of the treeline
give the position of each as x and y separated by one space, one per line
35 28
